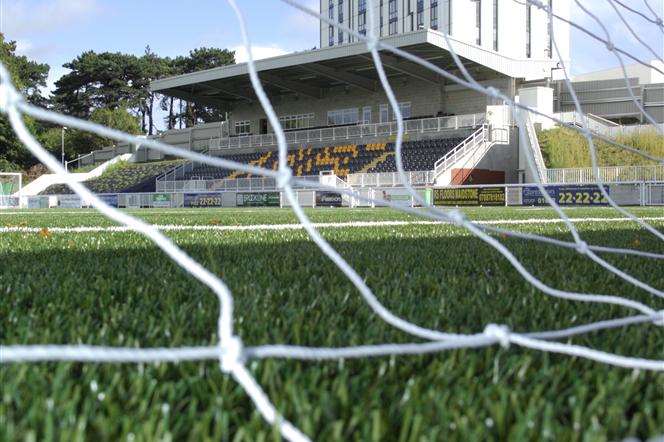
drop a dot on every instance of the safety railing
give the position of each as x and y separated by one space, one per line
533 143
236 184
467 145
613 174
593 122
390 179
424 125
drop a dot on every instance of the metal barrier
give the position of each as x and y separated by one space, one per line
226 184
614 174
389 179
424 125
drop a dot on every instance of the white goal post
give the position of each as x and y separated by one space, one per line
10 189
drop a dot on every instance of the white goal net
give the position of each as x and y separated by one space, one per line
231 353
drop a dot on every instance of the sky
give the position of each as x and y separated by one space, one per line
56 31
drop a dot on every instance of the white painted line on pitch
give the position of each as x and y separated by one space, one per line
268 227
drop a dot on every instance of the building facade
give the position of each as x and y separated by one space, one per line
511 28
502 44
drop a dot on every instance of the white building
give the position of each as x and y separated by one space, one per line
508 27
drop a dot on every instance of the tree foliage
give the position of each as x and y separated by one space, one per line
110 88
77 142
28 77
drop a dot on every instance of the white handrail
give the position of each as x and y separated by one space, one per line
423 125
534 145
451 157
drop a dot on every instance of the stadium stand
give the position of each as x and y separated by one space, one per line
351 158
127 178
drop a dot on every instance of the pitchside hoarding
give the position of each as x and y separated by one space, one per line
202 200
70 201
38 202
258 199
162 200
328 199
469 196
110 200
586 195
400 197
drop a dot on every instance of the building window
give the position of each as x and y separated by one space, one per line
420 14
340 15
343 116
242 127
405 109
330 29
478 22
362 17
366 115
393 16
384 113
495 25
303 121
529 41
434 14
449 17
549 32
381 18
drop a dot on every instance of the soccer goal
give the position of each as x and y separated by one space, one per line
10 188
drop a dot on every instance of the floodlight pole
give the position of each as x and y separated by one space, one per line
63 147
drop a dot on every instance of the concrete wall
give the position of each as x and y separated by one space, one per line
426 99
503 157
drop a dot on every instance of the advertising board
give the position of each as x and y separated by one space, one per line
258 199
202 200
584 195
328 199
469 196
110 200
38 202
70 201
161 200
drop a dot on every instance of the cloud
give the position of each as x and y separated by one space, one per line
33 51
258 52
23 17
299 18
589 54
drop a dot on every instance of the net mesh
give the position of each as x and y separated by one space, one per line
230 352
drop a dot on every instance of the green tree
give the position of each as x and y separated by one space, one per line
152 67
28 77
192 113
80 142
99 81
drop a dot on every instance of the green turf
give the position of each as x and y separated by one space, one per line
118 289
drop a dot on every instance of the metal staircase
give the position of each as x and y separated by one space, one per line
469 152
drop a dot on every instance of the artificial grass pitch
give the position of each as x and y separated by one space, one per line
115 288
